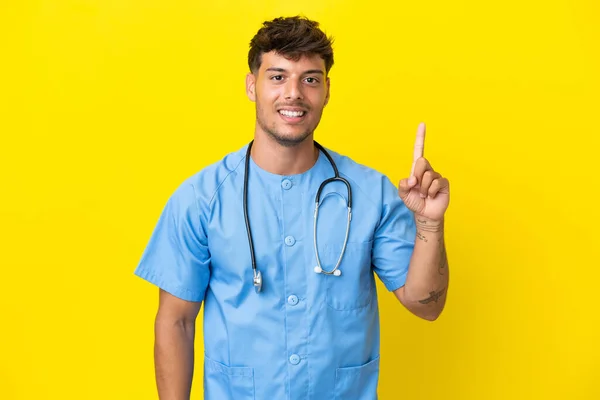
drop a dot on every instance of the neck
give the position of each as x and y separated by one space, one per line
281 160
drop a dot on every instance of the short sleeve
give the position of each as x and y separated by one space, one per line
394 239
176 258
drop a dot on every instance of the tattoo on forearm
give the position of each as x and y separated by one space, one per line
425 226
433 296
443 260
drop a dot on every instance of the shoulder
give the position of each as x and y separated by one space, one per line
201 187
372 183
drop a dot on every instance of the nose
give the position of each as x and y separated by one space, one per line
293 90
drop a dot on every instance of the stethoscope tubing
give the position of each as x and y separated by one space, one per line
257 276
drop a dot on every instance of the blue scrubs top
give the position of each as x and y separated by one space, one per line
306 335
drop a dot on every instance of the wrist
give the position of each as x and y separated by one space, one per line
428 224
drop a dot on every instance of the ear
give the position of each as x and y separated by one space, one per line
251 86
327 95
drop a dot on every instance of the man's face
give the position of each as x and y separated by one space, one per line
289 95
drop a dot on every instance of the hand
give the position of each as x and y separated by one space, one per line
425 192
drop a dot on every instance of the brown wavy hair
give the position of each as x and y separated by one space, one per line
291 37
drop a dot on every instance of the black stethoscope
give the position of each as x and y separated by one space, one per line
318 269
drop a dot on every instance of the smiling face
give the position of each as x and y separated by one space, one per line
289 95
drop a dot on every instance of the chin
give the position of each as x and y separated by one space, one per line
290 139
285 134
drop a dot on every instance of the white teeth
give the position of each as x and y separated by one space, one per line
287 113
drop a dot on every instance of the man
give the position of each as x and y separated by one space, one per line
284 316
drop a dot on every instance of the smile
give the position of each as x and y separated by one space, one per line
292 114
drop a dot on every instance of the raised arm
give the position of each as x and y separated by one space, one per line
427 194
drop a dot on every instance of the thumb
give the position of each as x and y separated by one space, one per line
405 186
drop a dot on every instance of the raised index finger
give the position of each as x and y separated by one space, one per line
419 146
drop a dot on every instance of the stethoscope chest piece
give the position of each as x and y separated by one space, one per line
257 281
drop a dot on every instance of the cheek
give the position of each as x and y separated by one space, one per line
267 95
319 97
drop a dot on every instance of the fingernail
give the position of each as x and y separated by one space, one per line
412 180
423 196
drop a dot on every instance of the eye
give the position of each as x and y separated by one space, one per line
277 78
311 80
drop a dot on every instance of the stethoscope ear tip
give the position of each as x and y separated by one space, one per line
318 269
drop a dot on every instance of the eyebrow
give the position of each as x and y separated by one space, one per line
310 71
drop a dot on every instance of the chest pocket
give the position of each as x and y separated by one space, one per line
353 289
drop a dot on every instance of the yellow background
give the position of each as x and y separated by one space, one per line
106 106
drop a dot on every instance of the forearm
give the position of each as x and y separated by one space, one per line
174 358
427 281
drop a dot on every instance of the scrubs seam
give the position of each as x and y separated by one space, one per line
202 222
197 206
224 179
